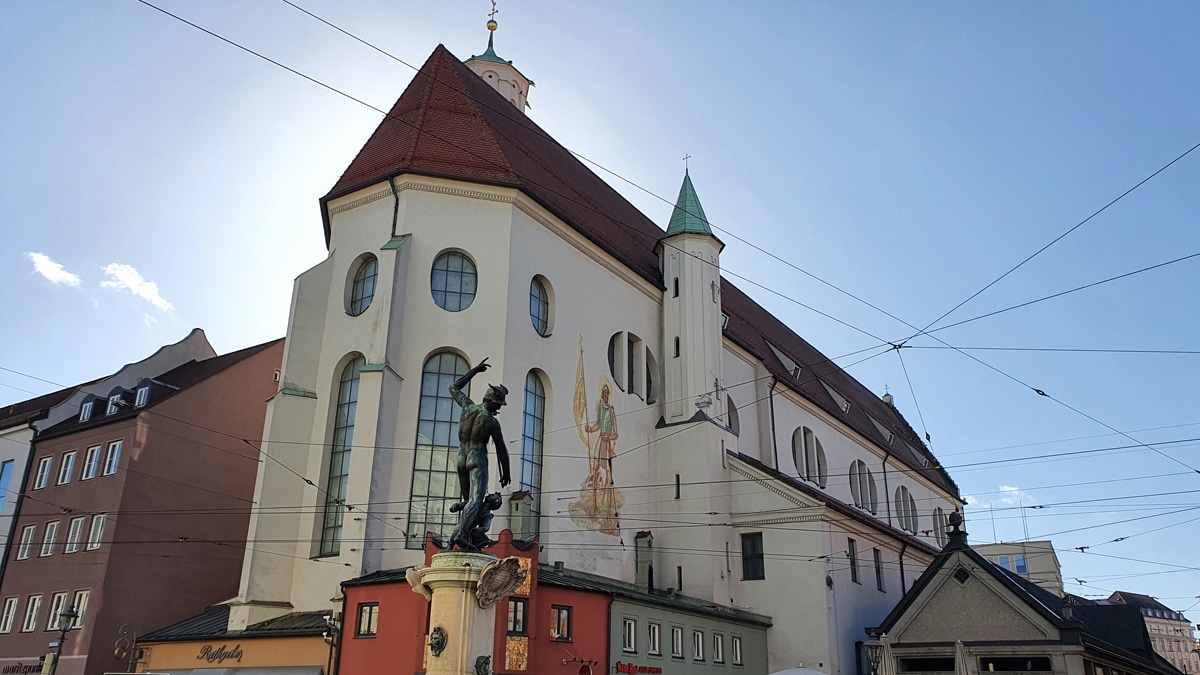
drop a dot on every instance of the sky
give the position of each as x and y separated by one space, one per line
157 179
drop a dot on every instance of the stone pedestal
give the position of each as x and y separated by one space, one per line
452 581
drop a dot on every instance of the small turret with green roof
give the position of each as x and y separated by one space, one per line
688 216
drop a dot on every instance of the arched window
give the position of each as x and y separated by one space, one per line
939 526
906 509
362 289
338 475
862 487
539 306
676 346
532 429
435 478
809 456
731 419
453 281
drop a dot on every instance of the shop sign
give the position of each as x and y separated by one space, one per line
218 655
633 669
22 668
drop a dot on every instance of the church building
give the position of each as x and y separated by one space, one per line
664 429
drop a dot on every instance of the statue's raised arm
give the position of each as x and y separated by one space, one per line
456 389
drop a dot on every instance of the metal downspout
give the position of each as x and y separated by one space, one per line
395 204
903 582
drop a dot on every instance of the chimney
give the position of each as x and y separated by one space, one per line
558 564
642 556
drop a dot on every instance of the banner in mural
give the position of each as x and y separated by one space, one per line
600 502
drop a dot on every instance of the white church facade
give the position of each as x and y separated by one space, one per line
647 393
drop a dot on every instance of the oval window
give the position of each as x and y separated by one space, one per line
362 289
453 281
539 306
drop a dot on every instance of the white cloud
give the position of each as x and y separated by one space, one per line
149 320
1015 496
54 272
125 276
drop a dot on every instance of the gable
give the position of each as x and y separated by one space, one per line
981 609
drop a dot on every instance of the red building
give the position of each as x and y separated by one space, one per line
135 510
546 628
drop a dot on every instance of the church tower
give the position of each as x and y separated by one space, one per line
690 259
501 74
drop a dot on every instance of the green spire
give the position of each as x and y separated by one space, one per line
490 54
688 216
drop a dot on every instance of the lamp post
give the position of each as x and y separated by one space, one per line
874 652
66 621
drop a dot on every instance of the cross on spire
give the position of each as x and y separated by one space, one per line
686 157
492 14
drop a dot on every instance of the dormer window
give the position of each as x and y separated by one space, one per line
113 404
143 395
85 412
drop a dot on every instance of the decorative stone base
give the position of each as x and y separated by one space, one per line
469 630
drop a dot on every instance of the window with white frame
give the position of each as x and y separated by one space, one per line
143 396
9 614
43 473
697 645
80 605
49 540
91 462
906 509
337 476
862 487
852 554
629 635
33 607
677 642
66 468
114 404
654 639
97 532
879 569
939 526
735 645
58 603
809 456
85 411
718 648
75 534
112 458
26 547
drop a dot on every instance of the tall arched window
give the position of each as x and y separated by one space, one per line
338 476
939 526
362 290
862 487
435 478
906 509
731 417
532 429
809 456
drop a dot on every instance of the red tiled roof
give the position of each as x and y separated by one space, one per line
449 123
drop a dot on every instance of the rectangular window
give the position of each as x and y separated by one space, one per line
112 458
75 534
85 412
368 620
560 623
654 639
97 532
91 461
1019 561
80 605
43 473
718 648
6 470
517 609
32 608
735 644
629 635
1003 561
677 642
10 613
113 404
58 603
49 540
143 395
27 534
878 569
697 645
67 468
752 557
852 553
1001 664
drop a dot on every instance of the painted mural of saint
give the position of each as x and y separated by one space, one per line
600 503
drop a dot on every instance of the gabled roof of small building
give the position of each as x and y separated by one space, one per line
178 378
214 623
1138 600
449 123
33 409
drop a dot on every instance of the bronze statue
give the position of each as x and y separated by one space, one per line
476 427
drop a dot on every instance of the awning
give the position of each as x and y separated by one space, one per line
277 670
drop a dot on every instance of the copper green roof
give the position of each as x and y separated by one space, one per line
491 56
688 216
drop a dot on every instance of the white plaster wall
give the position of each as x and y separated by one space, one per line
14 447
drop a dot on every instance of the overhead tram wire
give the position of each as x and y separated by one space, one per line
913 392
1063 350
1056 240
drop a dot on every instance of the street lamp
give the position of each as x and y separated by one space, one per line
874 652
66 621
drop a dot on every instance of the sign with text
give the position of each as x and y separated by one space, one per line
219 655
